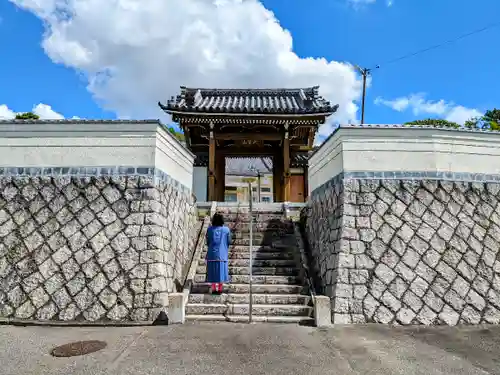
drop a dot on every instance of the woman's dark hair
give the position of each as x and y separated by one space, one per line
217 220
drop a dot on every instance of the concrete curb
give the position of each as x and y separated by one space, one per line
47 323
322 311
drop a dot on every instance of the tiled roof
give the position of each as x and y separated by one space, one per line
254 101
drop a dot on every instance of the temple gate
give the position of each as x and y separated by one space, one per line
276 123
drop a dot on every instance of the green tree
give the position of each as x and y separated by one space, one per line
179 135
27 116
433 122
489 121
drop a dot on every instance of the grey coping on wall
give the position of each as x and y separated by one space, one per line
80 121
82 171
408 175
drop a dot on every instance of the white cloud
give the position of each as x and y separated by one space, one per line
45 112
419 105
135 52
460 114
6 113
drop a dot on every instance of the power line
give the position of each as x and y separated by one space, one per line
440 44
365 72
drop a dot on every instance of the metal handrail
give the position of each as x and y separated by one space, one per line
306 252
250 263
302 237
188 281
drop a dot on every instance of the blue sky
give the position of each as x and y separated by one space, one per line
115 60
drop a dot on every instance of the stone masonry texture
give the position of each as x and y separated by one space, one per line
407 251
102 248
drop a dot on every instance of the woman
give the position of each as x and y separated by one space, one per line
218 241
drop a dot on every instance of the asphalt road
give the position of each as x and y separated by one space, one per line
224 348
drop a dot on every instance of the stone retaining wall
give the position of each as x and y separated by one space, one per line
92 247
407 251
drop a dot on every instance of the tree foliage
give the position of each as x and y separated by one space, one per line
27 116
489 121
433 122
179 135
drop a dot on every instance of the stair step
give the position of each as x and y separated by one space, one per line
265 255
243 309
278 211
259 227
305 320
257 279
269 241
258 236
260 217
261 248
245 262
284 289
272 299
278 271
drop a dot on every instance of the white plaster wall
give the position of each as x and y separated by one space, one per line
377 149
200 181
325 163
428 149
94 144
74 144
173 158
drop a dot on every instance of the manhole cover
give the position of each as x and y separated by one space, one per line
78 348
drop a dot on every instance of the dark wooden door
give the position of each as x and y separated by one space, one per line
297 188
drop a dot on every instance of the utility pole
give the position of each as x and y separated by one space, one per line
364 73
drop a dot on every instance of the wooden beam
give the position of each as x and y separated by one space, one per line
247 151
302 148
249 136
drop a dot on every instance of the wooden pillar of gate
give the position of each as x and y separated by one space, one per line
211 165
277 176
220 175
286 166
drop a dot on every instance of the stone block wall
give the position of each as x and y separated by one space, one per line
416 251
92 245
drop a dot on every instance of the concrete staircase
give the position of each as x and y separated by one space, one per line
279 291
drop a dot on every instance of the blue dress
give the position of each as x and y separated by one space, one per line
218 241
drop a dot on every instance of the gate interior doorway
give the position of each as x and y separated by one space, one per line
238 169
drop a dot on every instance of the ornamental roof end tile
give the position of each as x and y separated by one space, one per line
251 101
